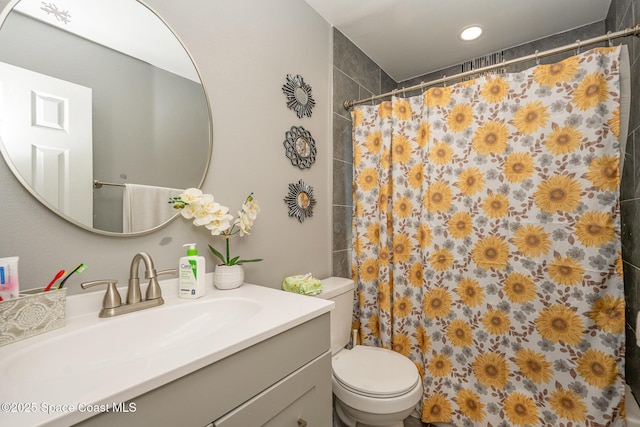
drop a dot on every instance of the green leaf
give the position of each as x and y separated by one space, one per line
233 261
216 253
243 261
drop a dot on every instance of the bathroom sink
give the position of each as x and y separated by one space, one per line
92 361
126 339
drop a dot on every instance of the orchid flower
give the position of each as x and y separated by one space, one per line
205 211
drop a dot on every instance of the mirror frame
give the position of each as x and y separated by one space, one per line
300 201
291 89
6 10
292 136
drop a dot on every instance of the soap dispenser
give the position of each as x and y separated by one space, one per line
191 281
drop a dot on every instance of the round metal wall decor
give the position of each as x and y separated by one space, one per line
300 146
298 95
300 201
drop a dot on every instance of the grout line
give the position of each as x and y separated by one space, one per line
343 161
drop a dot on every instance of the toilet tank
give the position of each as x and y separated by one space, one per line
341 292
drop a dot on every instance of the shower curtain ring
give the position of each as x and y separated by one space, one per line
444 80
404 93
537 59
578 49
609 38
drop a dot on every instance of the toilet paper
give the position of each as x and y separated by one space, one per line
638 329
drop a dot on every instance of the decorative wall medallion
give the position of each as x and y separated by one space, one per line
300 201
298 95
300 146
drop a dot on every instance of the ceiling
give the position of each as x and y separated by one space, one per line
409 38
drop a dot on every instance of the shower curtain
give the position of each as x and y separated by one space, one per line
486 243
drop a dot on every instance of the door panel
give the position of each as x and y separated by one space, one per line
46 129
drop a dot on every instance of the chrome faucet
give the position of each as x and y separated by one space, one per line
112 303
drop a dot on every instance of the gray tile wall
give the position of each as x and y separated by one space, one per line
623 14
355 76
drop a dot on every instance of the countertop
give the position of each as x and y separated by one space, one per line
76 391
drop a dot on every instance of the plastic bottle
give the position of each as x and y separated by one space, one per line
191 281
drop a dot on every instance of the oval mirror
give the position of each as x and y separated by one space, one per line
102 112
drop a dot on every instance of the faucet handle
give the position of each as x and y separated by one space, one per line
153 290
170 271
112 297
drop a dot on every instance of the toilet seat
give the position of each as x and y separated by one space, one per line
375 372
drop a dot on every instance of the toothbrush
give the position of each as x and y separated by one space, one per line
55 279
79 269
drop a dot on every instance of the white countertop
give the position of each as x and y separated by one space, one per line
64 387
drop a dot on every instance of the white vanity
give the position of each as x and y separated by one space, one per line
251 356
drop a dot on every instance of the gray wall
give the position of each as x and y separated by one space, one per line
623 14
243 50
357 77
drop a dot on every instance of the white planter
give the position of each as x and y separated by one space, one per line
228 276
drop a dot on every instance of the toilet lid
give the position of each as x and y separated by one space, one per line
376 372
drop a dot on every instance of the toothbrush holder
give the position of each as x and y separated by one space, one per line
33 312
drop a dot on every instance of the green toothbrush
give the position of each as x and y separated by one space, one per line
79 269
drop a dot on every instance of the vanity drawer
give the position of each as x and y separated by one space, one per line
301 399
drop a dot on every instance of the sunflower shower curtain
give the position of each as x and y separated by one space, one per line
487 243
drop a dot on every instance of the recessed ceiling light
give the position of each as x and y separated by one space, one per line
471 32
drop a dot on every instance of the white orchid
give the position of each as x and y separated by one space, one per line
220 222
247 215
191 195
188 211
205 211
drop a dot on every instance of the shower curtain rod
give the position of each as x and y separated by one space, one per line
631 31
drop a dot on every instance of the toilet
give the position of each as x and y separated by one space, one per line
631 408
379 387
372 386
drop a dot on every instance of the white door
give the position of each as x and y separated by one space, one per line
46 128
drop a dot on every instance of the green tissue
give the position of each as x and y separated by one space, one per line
304 284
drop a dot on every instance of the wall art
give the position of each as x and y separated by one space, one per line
300 147
300 201
298 93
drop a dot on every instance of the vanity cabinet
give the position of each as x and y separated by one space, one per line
293 401
282 381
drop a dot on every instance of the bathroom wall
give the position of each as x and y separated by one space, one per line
623 14
356 77
243 50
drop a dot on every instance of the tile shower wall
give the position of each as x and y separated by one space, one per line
356 76
623 14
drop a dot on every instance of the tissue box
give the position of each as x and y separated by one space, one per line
32 313
302 284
